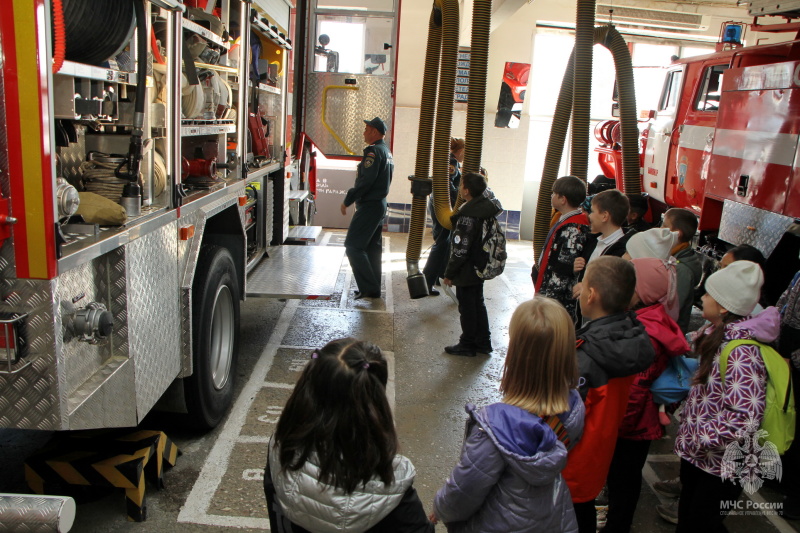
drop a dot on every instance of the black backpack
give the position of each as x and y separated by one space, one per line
492 255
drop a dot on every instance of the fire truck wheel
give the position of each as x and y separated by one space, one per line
215 343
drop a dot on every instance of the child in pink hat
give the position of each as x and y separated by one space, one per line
655 288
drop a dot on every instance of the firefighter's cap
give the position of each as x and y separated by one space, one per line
378 124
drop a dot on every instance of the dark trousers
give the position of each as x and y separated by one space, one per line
440 251
363 246
624 483
701 502
790 480
474 319
586 515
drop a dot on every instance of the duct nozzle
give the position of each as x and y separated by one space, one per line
417 286
421 187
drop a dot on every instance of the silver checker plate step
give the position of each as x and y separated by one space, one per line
304 272
304 233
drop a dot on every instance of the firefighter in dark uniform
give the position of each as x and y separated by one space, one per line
363 242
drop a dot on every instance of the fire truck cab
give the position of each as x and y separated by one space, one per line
723 143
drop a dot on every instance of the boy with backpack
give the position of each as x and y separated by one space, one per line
467 258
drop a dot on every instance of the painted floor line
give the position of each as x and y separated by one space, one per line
273 385
195 510
252 439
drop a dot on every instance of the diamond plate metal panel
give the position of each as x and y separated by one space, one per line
154 313
187 261
296 272
29 397
34 514
100 280
70 158
744 224
346 110
106 399
87 367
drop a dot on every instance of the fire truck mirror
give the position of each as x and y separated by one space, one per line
615 110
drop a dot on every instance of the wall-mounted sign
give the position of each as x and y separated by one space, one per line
462 75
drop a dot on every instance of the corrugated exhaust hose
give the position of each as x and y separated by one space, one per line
441 57
609 37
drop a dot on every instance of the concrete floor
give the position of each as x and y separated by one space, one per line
216 484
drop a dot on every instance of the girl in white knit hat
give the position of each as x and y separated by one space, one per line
715 410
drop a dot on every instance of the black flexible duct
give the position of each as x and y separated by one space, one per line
444 113
581 100
441 57
421 186
609 37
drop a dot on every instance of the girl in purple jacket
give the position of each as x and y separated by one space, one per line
508 478
717 414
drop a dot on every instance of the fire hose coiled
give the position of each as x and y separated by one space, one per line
609 37
99 178
97 29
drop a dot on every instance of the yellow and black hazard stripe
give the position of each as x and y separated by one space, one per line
105 458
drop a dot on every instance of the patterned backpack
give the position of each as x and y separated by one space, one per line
492 256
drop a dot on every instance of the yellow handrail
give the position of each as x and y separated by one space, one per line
325 105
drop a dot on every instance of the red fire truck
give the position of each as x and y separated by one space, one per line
166 125
723 143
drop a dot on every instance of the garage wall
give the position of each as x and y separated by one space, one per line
512 156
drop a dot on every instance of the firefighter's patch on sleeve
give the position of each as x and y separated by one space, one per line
368 161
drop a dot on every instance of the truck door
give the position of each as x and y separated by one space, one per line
659 138
695 136
350 65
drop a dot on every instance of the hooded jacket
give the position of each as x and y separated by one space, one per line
714 412
508 478
641 417
688 272
326 509
611 351
466 235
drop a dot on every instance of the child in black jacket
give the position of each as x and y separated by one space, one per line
480 205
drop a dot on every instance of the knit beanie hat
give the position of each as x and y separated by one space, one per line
656 242
656 282
737 287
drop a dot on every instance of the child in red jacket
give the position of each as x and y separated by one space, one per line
613 348
654 284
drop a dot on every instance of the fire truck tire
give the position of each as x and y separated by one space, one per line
215 342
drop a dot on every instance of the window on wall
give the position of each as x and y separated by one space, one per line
355 45
551 53
688 51
649 62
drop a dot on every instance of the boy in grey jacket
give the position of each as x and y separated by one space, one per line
689 269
